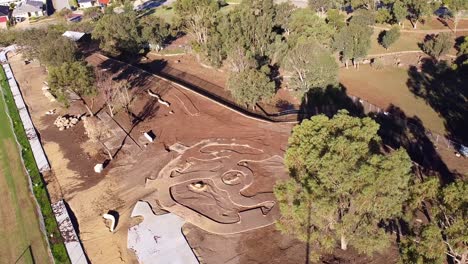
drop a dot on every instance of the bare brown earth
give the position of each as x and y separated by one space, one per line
190 119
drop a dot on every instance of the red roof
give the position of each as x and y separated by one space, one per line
104 2
3 19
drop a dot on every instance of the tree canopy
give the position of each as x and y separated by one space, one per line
341 186
124 37
390 37
353 42
251 86
438 45
312 66
196 17
443 232
306 26
71 77
56 50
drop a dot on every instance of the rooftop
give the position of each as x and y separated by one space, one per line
73 35
4 10
27 7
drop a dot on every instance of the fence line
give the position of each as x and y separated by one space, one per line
436 138
75 251
292 114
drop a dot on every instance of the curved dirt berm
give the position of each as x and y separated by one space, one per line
221 186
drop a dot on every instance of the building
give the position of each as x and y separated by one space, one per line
73 35
85 3
7 2
4 16
103 3
60 5
27 9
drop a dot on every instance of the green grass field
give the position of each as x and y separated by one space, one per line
39 188
20 237
166 13
388 86
407 41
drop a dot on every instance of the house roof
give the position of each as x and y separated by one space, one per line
4 10
73 35
28 6
85 1
104 2
3 19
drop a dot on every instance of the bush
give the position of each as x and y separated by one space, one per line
390 37
383 16
377 64
438 45
57 246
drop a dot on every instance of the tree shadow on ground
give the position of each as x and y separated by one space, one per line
400 131
122 71
396 129
445 89
328 101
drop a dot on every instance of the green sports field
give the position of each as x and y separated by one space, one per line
21 240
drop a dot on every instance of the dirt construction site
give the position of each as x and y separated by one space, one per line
211 166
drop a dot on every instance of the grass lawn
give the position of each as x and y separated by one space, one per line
165 12
20 236
388 86
407 41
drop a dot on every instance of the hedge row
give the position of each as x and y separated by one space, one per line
57 246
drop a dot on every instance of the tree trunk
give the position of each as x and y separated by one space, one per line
344 243
415 24
456 19
346 64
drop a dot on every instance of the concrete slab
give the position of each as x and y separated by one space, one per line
159 238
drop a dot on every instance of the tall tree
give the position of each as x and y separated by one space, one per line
417 10
55 50
323 5
283 15
367 4
248 32
390 37
155 31
353 42
363 17
196 17
251 86
442 232
335 19
341 188
438 45
463 46
383 15
72 78
124 37
399 12
457 7
312 66
306 26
